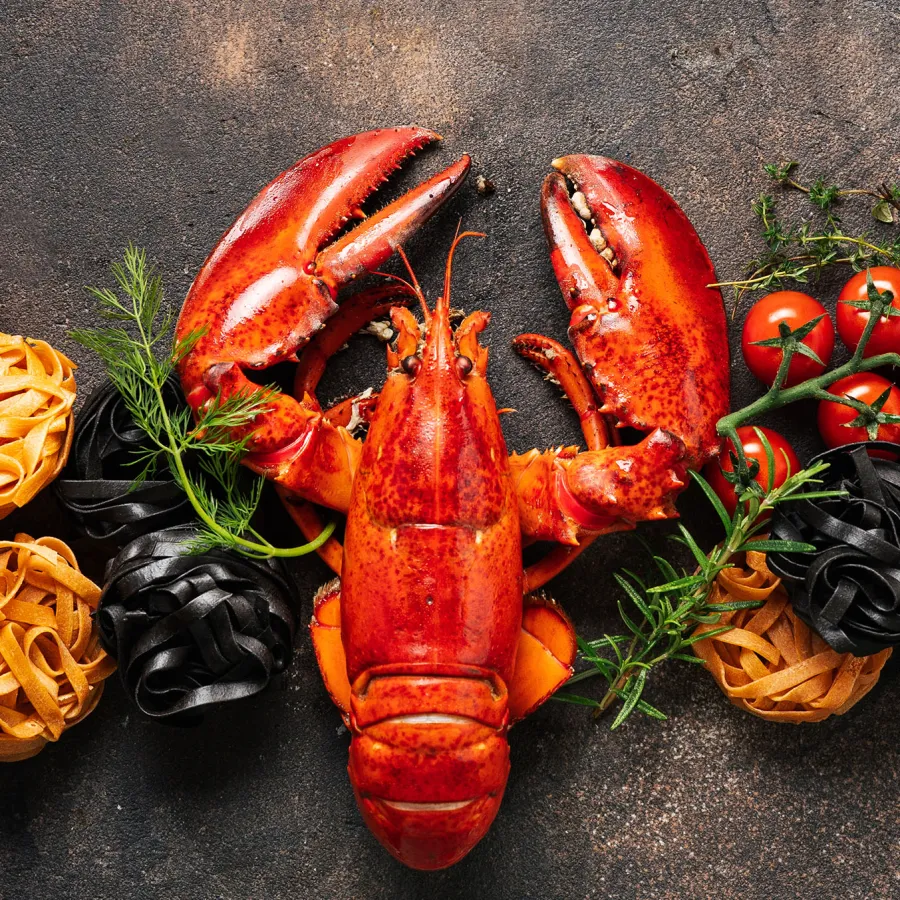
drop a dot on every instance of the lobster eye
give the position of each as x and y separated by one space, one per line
411 365
463 365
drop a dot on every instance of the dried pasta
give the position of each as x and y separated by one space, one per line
51 663
771 663
37 390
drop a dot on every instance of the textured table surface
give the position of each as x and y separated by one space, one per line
156 122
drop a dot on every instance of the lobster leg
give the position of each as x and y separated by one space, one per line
305 514
565 496
534 471
354 314
546 651
360 408
561 365
354 410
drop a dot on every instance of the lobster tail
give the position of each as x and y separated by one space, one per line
429 783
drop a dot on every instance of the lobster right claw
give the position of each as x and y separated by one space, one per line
273 280
651 337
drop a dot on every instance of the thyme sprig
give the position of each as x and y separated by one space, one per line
660 626
134 350
797 252
825 195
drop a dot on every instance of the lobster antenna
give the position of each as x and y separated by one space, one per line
456 240
390 275
426 312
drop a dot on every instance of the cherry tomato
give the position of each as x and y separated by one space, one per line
761 324
834 417
851 321
753 449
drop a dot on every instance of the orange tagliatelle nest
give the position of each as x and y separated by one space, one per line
771 663
37 390
51 663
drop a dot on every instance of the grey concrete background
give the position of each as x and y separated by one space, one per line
156 122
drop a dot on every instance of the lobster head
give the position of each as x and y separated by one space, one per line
443 422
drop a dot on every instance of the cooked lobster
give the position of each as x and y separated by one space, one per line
425 642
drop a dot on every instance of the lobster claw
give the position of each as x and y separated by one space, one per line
649 332
272 281
652 343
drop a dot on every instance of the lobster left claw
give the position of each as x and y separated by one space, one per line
651 338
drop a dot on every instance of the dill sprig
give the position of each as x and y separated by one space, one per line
797 252
134 350
660 619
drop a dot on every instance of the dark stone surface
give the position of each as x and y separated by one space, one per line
156 122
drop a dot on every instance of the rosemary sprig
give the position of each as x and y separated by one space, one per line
669 613
660 626
133 352
796 252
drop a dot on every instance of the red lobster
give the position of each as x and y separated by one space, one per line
425 643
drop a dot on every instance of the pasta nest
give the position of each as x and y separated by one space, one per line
52 666
771 663
37 390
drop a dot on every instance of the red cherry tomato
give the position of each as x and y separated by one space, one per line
796 309
761 324
851 321
834 417
753 449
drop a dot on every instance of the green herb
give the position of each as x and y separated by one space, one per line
795 252
661 623
825 196
133 352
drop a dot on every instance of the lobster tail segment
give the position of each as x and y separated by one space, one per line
431 834
429 784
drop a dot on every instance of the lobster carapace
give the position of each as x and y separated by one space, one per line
425 643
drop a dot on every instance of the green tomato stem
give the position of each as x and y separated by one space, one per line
812 389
